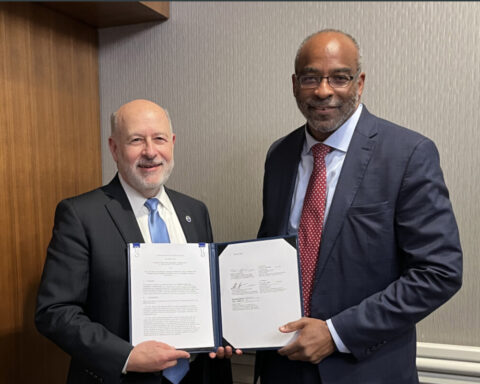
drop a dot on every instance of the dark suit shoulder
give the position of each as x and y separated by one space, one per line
91 204
371 125
87 200
183 199
285 144
100 194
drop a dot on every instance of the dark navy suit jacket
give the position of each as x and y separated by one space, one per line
390 251
82 302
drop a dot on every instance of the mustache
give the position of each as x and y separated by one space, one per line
319 104
147 164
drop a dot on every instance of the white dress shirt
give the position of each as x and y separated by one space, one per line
339 141
165 210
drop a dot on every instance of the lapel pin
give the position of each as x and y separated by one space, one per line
188 218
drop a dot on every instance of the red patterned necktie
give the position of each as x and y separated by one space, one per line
311 222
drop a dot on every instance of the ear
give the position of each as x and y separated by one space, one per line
294 85
360 83
173 138
113 148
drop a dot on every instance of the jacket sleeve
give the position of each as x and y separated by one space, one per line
62 299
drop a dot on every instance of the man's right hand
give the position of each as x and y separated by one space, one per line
154 356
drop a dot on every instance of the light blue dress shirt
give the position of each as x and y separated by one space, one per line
339 141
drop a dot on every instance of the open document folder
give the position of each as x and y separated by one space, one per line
200 296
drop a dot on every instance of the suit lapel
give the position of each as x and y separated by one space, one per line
287 175
184 217
121 212
358 156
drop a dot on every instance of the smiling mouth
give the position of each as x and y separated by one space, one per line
149 166
323 108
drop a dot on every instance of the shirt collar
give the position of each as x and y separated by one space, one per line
340 139
137 200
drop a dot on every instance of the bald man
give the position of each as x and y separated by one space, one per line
379 244
82 301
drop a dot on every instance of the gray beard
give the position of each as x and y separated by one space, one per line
145 188
319 126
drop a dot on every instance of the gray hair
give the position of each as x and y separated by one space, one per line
113 123
352 39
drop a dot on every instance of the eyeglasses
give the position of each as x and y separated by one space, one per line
335 81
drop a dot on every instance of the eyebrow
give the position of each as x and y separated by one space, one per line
155 134
315 70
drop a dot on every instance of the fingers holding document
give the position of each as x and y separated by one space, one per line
313 343
154 356
224 353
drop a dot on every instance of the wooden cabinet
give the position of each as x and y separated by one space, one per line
113 13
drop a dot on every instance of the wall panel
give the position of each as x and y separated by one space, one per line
50 149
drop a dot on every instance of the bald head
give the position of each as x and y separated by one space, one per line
319 40
135 109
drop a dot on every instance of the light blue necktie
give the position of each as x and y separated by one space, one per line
159 234
156 225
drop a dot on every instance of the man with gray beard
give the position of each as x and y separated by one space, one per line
82 303
379 244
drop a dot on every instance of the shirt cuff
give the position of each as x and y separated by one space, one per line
124 370
336 339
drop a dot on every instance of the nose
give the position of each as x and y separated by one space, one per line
324 90
149 149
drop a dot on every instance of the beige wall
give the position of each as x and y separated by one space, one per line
223 70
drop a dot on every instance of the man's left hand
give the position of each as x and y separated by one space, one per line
313 343
224 353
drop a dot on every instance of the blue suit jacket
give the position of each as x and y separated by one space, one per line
82 302
390 251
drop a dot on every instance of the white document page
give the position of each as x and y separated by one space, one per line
260 291
170 295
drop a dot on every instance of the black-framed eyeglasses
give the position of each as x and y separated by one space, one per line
311 81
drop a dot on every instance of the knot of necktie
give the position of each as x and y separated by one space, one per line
320 150
152 204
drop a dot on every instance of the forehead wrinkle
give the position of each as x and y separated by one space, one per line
143 121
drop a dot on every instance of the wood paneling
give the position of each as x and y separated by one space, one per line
49 149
